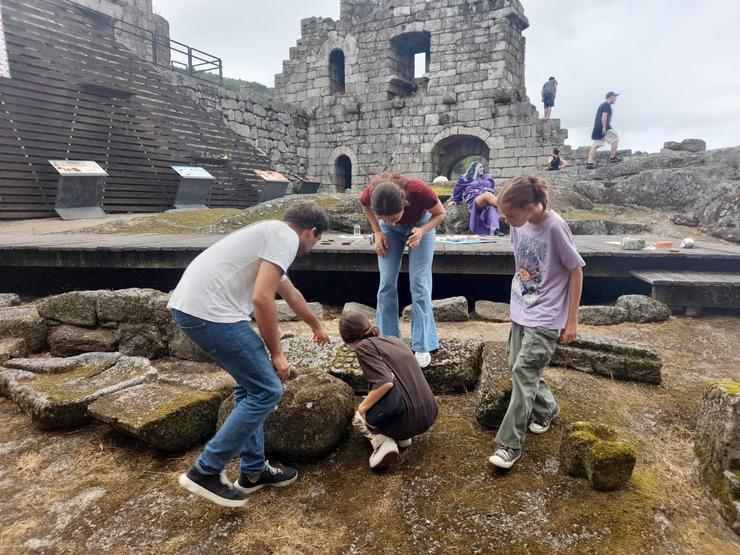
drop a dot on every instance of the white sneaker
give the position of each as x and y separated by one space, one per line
505 457
385 453
541 426
404 443
424 359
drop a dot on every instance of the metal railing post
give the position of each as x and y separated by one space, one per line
190 60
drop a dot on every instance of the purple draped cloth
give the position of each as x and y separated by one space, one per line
482 222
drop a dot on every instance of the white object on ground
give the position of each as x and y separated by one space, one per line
687 243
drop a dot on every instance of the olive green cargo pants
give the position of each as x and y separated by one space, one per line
530 350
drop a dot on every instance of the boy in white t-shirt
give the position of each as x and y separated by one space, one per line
212 304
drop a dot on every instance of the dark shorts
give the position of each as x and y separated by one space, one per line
549 99
382 414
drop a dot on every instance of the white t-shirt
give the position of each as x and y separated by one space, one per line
217 286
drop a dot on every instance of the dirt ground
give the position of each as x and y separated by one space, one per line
93 491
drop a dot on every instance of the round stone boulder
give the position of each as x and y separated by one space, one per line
310 419
492 312
642 309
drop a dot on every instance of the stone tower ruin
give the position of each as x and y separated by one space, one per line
416 87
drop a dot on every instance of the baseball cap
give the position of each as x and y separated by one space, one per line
611 93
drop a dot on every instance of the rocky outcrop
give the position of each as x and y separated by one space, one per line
24 322
311 417
605 227
144 340
179 345
453 309
133 306
92 362
60 400
717 445
594 451
687 145
602 315
456 367
491 311
642 309
613 359
68 340
494 390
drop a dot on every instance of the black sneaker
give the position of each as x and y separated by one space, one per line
499 233
615 160
505 457
275 477
590 166
214 487
538 426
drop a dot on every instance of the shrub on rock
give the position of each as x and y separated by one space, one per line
593 451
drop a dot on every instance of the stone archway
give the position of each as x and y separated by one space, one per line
343 173
451 150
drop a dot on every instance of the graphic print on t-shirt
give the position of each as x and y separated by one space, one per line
530 257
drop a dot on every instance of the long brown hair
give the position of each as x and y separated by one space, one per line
388 193
525 190
354 326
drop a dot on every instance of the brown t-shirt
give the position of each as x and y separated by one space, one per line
420 197
409 379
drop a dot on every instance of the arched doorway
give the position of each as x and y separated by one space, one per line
343 173
336 71
453 150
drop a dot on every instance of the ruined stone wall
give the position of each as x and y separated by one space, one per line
472 99
279 130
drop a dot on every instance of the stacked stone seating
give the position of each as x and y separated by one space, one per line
75 93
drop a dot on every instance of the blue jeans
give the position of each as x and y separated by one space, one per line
423 329
241 352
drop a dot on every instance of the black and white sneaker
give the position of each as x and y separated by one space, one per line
505 457
538 426
214 487
615 160
275 477
590 166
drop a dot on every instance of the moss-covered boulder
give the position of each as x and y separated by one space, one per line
66 340
335 358
310 419
594 451
494 390
717 448
205 376
26 323
133 306
12 348
610 358
166 416
78 308
456 367
642 309
60 400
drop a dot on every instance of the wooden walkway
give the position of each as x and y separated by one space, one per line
336 253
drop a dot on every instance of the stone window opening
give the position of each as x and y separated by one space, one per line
343 173
337 72
452 153
410 56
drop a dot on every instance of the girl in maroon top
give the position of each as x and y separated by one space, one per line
404 213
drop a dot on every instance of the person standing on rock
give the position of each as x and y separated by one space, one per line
212 304
603 133
479 191
549 90
400 404
405 212
545 294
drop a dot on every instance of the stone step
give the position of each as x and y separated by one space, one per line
494 390
56 401
166 416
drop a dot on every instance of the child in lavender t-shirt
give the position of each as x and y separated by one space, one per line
545 294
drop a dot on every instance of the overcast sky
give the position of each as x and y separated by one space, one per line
675 62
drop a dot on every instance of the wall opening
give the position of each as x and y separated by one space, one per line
410 56
337 71
451 153
343 173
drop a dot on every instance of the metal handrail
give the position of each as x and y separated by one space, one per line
205 65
